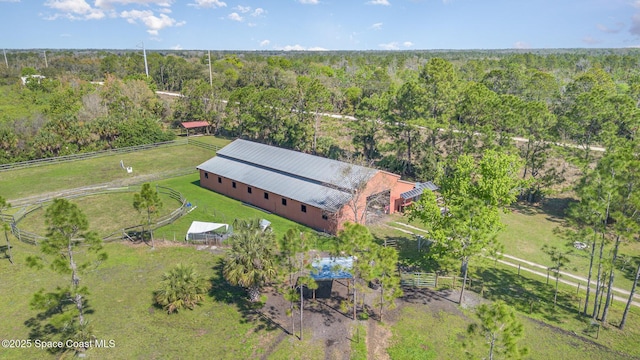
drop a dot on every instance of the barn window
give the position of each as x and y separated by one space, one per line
206 175
249 189
325 217
303 208
219 180
284 202
233 184
266 195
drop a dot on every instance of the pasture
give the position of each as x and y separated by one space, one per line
226 327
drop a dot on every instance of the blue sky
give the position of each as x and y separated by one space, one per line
319 24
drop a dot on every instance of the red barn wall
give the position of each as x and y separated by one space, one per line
292 210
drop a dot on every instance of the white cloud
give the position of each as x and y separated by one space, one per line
209 4
390 46
74 10
247 10
521 45
407 44
235 17
264 43
376 26
309 2
153 23
379 2
176 47
300 48
109 4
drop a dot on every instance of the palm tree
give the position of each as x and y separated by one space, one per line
251 261
182 288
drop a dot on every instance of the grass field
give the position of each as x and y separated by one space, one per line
500 282
213 207
423 334
44 179
121 297
106 213
224 328
528 229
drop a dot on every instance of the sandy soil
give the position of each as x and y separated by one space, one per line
326 322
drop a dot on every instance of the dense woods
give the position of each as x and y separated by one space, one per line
490 128
413 109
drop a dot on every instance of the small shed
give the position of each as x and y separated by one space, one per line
196 126
206 232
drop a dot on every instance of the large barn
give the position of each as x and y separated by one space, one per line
318 192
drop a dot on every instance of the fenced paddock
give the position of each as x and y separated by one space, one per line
89 155
120 234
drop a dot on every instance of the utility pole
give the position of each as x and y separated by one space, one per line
5 57
210 74
45 59
144 54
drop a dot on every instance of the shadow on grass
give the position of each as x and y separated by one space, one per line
554 208
410 258
58 320
630 266
527 295
223 292
416 295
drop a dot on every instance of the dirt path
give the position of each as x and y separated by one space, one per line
283 335
378 338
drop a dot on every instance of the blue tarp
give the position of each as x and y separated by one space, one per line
332 268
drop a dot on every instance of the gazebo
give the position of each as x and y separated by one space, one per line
188 125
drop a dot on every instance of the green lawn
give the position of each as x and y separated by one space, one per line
21 183
106 213
213 207
500 282
528 229
425 335
121 297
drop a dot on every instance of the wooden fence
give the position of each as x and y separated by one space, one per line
89 155
203 145
34 239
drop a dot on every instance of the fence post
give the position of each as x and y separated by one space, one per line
547 276
518 269
578 291
436 279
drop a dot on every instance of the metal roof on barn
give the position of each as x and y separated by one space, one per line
418 189
320 182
